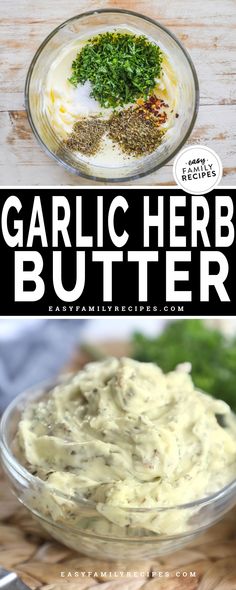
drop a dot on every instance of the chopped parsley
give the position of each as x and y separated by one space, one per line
121 67
212 355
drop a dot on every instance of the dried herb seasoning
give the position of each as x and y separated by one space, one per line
120 67
136 134
135 129
86 136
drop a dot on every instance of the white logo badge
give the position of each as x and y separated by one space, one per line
197 169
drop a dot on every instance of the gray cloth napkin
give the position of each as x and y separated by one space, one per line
33 352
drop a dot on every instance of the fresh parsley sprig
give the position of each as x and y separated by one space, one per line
120 66
211 354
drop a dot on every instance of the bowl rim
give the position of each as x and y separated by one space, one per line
44 388
59 160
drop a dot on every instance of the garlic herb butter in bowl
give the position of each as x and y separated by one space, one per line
121 460
111 95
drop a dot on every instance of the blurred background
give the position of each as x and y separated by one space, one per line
32 350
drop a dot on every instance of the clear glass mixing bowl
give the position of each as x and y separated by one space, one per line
83 26
83 526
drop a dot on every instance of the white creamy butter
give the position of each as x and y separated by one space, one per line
121 433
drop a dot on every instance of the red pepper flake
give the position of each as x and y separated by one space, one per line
153 107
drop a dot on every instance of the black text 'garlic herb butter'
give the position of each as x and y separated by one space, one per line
121 433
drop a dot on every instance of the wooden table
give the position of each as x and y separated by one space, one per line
207 29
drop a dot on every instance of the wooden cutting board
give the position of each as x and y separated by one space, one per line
207 564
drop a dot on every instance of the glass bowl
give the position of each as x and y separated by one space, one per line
84 26
83 526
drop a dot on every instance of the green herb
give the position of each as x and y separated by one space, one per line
212 355
120 66
136 134
86 136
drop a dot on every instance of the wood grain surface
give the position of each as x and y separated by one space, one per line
207 29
